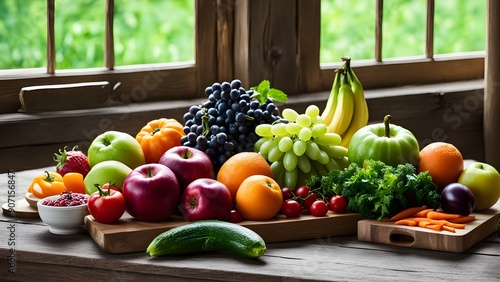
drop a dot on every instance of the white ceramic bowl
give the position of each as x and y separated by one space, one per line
62 220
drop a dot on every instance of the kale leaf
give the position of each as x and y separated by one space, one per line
377 190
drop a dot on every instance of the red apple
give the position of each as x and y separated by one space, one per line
188 164
151 192
206 198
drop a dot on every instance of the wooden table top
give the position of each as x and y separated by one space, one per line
39 254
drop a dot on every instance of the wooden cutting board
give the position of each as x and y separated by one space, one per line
130 235
21 209
417 237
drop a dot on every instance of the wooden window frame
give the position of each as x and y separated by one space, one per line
251 40
231 43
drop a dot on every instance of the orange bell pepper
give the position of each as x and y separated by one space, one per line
48 184
158 136
74 182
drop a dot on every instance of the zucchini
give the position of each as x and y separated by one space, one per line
208 235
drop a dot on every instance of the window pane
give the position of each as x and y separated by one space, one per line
23 36
403 28
459 26
79 33
347 28
153 31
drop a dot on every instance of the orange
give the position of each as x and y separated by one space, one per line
443 161
240 166
259 197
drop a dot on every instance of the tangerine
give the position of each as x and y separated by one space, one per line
239 167
443 161
259 197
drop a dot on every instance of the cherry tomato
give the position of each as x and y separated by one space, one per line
287 193
302 191
318 208
234 216
106 205
338 204
291 208
309 200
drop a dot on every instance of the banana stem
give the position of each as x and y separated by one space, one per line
386 124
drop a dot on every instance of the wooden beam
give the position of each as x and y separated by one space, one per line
109 53
206 44
308 45
492 85
225 39
268 45
429 33
379 14
51 45
63 97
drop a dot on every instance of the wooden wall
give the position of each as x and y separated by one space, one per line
445 112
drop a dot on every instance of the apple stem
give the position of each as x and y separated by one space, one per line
387 118
186 154
150 173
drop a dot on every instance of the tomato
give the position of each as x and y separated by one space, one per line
291 208
287 193
106 205
234 216
338 204
309 200
318 208
302 191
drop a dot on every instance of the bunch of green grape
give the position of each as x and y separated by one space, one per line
299 146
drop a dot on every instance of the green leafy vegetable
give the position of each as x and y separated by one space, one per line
378 190
264 91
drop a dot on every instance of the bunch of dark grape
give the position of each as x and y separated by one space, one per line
224 124
68 199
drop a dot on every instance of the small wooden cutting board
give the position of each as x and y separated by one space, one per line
130 235
21 209
417 237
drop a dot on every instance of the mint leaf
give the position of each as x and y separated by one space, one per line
264 91
277 95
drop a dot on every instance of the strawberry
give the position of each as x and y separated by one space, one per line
72 161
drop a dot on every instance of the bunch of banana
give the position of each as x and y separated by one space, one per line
346 110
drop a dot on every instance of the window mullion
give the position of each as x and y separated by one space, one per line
109 53
429 40
51 48
379 12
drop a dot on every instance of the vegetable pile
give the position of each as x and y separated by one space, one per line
377 190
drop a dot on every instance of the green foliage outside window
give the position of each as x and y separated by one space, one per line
158 31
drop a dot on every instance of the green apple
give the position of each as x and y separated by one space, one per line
484 182
113 172
118 146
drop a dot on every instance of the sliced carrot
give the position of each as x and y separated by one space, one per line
418 219
424 223
455 225
422 213
462 219
408 222
435 227
408 212
441 215
448 228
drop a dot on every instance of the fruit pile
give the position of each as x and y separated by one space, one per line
300 146
225 123
238 157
